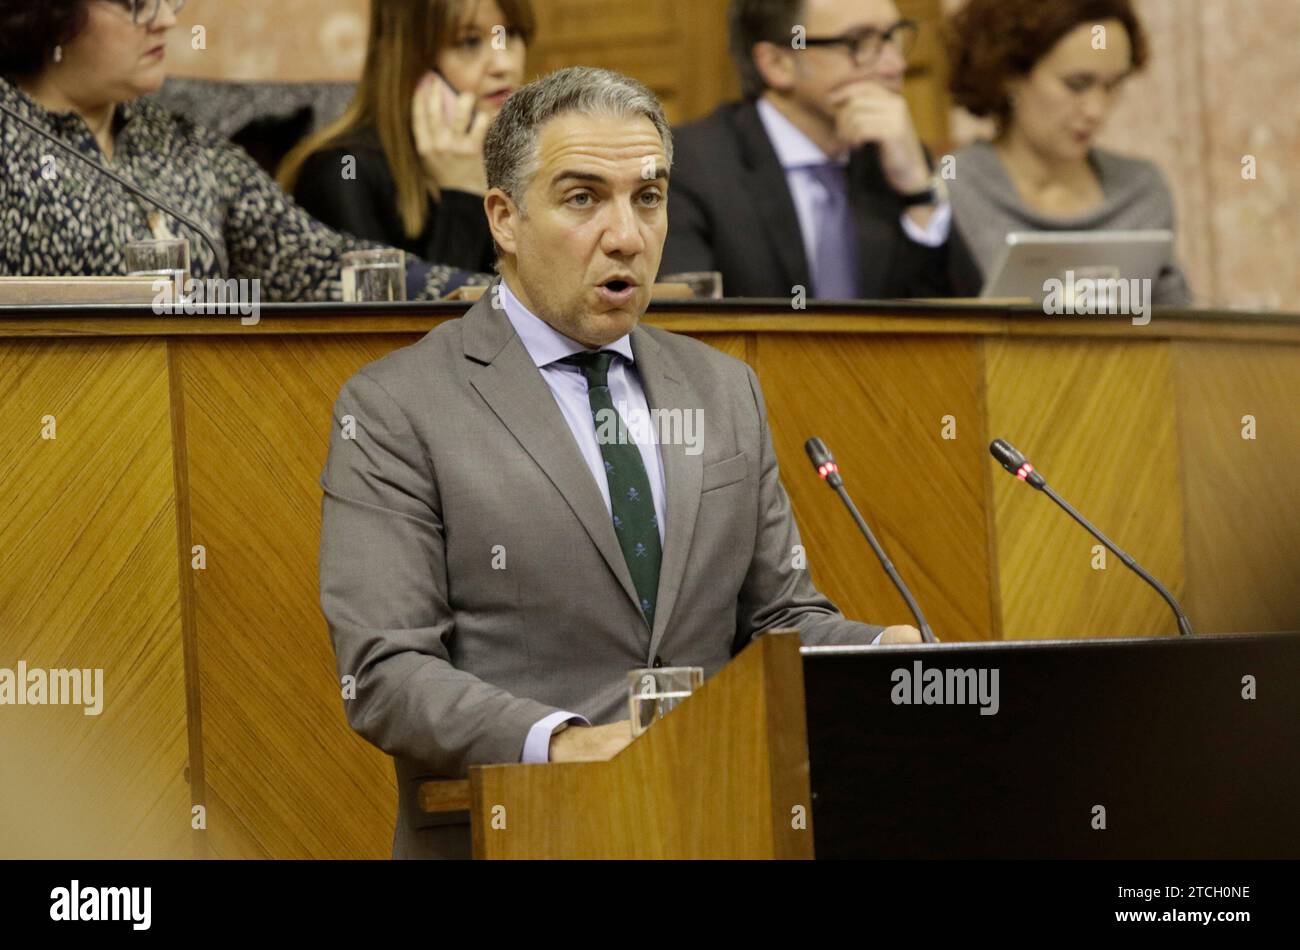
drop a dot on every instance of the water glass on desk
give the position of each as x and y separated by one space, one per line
653 693
374 276
167 260
705 285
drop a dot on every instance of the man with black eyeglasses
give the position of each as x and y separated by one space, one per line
817 180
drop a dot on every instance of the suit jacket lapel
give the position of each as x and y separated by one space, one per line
666 388
514 389
764 180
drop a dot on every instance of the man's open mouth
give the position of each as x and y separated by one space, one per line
617 291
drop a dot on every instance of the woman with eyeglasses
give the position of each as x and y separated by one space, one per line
1048 73
76 69
404 164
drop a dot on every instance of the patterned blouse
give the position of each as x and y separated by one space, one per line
61 218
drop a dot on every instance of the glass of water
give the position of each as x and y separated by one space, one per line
706 285
653 693
168 259
374 276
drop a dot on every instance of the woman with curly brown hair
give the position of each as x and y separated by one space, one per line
76 71
1048 73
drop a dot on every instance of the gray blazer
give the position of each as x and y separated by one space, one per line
469 568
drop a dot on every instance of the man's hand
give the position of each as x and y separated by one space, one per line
450 147
868 112
899 634
590 743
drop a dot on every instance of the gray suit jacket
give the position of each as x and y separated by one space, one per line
469 568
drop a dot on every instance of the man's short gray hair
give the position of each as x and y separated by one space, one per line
510 150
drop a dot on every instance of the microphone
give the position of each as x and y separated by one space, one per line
1014 462
222 264
829 471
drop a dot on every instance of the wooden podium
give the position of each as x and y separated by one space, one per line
1133 749
725 775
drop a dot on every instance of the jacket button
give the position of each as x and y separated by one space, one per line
658 663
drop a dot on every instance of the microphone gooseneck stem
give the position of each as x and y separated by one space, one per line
1184 625
926 633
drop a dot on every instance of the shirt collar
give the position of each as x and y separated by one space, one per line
544 343
793 148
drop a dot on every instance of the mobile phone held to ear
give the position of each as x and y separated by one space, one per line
449 96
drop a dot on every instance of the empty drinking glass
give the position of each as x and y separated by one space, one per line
167 259
653 693
374 276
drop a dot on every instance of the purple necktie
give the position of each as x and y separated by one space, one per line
835 251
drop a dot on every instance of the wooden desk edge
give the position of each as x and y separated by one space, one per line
948 321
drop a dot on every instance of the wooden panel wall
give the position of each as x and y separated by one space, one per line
1096 419
1243 552
677 49
97 528
285 774
926 87
880 404
88 580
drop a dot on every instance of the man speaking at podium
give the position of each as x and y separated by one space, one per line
492 562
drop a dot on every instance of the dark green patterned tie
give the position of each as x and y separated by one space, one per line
632 504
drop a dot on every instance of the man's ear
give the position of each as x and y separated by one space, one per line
503 216
775 64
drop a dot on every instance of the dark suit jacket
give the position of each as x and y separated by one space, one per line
456 232
730 210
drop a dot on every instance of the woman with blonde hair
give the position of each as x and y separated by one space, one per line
404 164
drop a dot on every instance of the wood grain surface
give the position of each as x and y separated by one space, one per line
174 433
721 776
